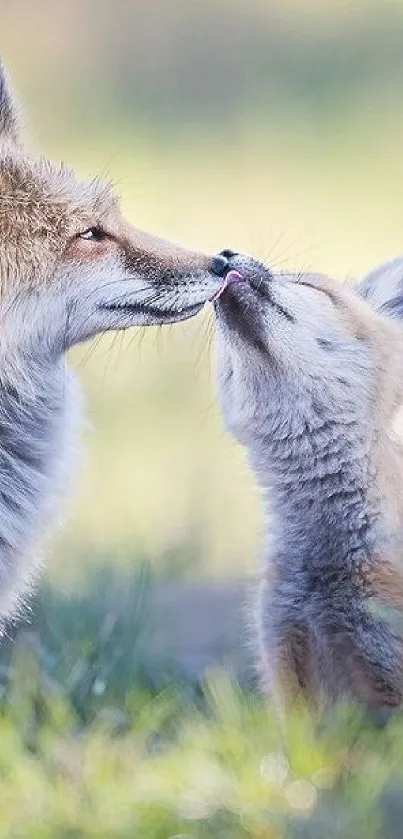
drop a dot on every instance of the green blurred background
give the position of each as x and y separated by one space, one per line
271 126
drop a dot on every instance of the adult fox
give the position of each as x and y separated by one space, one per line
70 267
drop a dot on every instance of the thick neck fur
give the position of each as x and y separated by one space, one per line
36 429
315 472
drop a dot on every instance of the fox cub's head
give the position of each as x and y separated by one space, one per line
70 266
302 349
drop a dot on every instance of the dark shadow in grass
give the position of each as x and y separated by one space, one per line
122 635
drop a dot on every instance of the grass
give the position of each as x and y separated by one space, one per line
98 743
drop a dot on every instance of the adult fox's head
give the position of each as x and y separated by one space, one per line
70 265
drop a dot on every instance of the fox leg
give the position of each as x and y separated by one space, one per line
342 650
365 655
287 661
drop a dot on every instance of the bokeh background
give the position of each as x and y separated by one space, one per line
270 126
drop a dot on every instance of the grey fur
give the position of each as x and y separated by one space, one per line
9 116
38 424
297 388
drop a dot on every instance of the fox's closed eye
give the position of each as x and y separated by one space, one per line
93 234
326 344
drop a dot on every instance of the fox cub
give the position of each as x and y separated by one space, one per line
311 376
70 267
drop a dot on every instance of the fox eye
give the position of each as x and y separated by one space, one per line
325 344
93 234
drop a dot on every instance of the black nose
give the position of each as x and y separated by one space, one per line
220 263
228 254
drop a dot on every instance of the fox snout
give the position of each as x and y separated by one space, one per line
148 280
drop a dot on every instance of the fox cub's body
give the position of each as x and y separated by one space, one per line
70 267
311 376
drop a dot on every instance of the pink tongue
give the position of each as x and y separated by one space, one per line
232 277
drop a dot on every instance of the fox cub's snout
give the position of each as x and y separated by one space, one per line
310 376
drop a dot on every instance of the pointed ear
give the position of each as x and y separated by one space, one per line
383 289
9 115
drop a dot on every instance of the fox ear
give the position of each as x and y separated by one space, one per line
383 288
9 115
